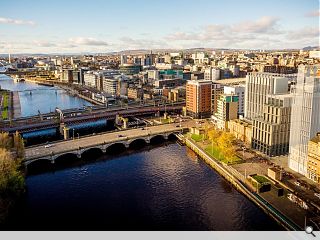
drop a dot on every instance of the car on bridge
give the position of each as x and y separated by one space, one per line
49 145
120 135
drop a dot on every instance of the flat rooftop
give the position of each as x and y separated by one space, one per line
230 81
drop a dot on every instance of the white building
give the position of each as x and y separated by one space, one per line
238 90
212 74
200 58
235 69
258 86
110 86
305 116
90 79
153 74
314 54
123 59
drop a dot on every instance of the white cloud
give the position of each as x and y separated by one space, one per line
87 41
265 33
266 24
303 33
15 21
131 43
44 44
315 13
238 31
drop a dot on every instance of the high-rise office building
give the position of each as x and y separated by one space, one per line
90 79
82 71
271 132
258 87
198 98
67 75
305 118
110 86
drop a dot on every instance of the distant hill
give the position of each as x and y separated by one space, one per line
309 48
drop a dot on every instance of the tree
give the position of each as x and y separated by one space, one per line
6 161
214 135
5 140
11 154
11 180
226 145
18 145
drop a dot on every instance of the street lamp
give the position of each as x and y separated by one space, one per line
243 148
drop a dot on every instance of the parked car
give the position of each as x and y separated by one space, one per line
317 195
48 145
297 183
121 135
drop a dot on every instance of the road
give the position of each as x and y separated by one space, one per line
87 141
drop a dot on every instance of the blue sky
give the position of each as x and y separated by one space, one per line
37 26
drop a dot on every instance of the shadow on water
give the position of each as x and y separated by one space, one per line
115 149
137 144
41 137
157 140
70 160
163 190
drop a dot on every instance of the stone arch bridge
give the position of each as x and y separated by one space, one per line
100 141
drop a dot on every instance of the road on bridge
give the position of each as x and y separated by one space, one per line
94 140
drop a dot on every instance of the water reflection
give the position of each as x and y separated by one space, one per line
45 100
159 188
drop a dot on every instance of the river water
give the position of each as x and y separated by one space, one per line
45 100
162 187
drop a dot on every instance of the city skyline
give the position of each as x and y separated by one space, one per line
75 27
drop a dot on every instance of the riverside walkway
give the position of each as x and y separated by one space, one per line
239 182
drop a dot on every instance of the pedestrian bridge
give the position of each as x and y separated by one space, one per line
99 141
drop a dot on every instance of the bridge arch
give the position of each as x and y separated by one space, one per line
38 160
157 138
172 136
63 155
38 165
85 150
137 143
116 147
91 153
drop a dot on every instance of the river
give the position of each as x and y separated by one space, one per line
44 100
163 187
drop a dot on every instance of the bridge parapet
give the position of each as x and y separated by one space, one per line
75 147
